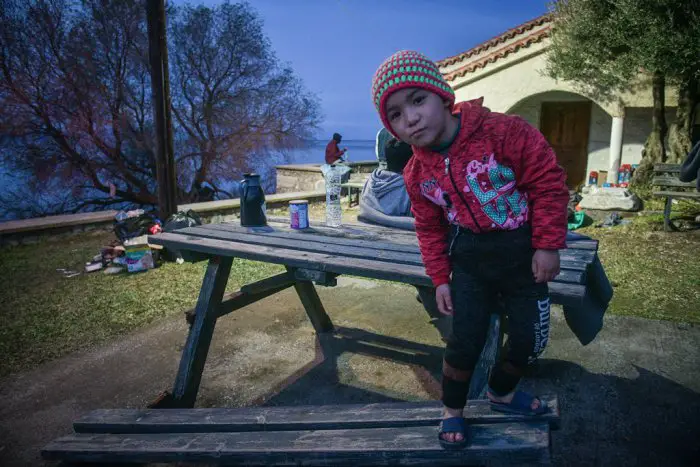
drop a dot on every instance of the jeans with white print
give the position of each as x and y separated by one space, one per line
492 271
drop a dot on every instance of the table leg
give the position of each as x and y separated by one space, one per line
668 224
196 348
314 308
489 356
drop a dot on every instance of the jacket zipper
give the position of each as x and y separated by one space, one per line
449 172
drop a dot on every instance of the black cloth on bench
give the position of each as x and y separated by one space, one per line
690 170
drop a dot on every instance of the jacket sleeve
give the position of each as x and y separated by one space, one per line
432 230
544 182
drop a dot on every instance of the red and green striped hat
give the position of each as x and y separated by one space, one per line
407 69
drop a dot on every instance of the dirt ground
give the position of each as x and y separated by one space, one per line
629 398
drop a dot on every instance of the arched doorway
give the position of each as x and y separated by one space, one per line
571 124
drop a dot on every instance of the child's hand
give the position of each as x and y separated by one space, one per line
444 299
545 265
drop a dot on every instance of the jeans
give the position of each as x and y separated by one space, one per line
489 268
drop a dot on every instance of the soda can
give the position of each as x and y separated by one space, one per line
299 214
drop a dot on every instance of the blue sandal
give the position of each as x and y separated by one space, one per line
453 425
520 405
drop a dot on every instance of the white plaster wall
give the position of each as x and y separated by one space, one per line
600 124
517 85
636 131
599 140
508 81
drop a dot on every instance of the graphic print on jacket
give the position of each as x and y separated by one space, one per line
494 186
432 191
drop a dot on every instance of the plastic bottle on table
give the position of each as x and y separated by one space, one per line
334 211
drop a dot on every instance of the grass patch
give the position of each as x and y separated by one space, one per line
46 315
656 274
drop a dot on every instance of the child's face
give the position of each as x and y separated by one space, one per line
417 116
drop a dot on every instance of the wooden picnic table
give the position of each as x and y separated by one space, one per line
315 255
397 433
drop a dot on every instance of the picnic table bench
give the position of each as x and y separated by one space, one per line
318 435
666 178
354 187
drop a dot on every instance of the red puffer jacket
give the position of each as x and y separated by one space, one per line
498 174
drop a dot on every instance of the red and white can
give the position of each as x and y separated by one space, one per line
299 214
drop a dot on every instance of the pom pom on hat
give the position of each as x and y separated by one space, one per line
407 69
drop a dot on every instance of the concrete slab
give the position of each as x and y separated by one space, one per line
632 397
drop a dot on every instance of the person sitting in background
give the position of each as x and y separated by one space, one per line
383 136
333 152
384 199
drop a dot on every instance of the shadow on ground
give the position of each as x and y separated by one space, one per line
648 420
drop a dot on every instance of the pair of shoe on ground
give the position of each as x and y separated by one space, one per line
521 404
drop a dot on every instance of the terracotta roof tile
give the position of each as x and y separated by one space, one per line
499 54
506 36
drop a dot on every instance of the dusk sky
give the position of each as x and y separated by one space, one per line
335 46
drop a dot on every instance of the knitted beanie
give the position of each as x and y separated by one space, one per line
407 69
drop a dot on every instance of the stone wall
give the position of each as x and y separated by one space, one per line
308 177
30 231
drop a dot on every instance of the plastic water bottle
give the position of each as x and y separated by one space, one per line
334 212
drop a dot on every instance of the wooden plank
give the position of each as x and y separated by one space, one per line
268 283
489 356
309 244
409 274
566 294
306 417
318 277
374 236
196 348
672 181
312 304
318 234
60 221
667 167
249 293
240 299
513 442
678 194
354 228
369 253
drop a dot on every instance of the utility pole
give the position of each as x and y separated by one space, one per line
160 92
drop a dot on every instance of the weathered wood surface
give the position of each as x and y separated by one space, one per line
668 181
574 262
416 445
667 168
678 194
249 293
309 417
314 308
358 185
671 181
197 345
563 293
299 259
345 250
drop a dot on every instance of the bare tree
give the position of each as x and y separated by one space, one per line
231 99
75 80
75 111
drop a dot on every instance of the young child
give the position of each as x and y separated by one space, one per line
489 202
